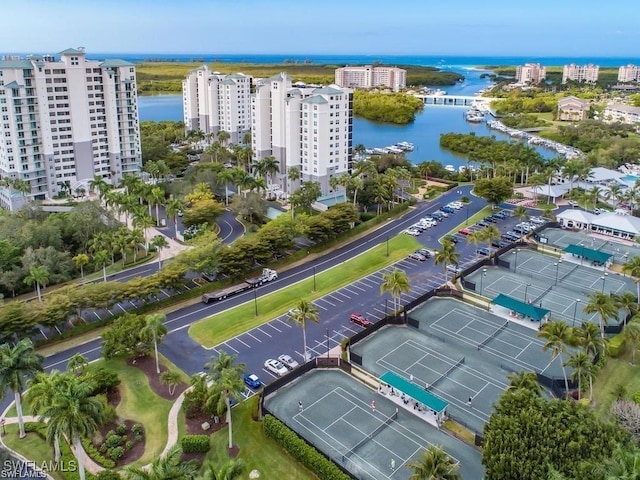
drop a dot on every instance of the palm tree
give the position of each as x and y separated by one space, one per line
293 174
226 376
581 364
156 195
154 329
628 302
101 258
231 470
167 467
491 233
159 242
589 338
632 267
80 261
17 365
173 207
100 184
356 184
524 381
42 391
520 212
594 196
604 306
143 221
38 275
334 183
171 378
270 166
631 335
445 256
302 312
556 336
624 463
396 282
77 364
434 464
226 176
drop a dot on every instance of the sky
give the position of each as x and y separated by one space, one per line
580 28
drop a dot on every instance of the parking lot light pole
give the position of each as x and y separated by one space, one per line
526 287
575 310
484 274
387 246
314 279
255 300
604 279
557 265
515 265
328 346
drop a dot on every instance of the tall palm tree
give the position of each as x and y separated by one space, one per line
226 176
80 261
570 170
524 381
396 282
589 338
581 364
304 311
604 306
226 376
446 255
631 335
434 464
42 392
173 208
143 221
167 467
521 213
632 267
270 167
293 174
231 470
556 336
623 464
101 258
626 301
594 195
157 196
491 233
159 242
17 365
38 275
154 329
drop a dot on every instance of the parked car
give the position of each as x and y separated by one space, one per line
500 215
484 251
456 205
499 243
573 203
451 238
413 232
417 256
438 216
359 319
482 224
425 252
447 209
489 219
453 268
251 380
465 231
288 362
275 367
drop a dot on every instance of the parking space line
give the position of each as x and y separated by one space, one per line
368 282
262 331
320 306
254 337
270 324
351 291
245 344
333 297
324 300
359 288
230 347
285 324
339 292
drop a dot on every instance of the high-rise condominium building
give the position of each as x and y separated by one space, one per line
530 73
308 128
215 102
368 76
629 73
580 73
65 121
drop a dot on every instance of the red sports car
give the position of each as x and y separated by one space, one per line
359 320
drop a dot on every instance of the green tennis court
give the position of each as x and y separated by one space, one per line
337 417
620 249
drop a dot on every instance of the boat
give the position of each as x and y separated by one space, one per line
474 115
394 149
450 168
405 146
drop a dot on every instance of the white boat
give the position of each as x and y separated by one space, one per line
394 149
450 168
405 146
474 115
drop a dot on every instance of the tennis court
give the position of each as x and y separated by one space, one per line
338 419
620 249
460 352
560 286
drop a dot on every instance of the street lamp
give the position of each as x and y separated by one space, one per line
386 304
604 279
314 279
387 247
525 291
515 265
484 274
575 310
624 261
255 300
557 265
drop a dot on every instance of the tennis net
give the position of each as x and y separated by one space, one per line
449 370
377 430
493 335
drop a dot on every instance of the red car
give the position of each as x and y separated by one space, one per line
465 231
359 320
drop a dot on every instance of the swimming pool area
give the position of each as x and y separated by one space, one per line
273 212
630 178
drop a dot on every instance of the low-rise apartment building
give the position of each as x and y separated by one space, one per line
617 112
573 109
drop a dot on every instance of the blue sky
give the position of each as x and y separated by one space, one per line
379 27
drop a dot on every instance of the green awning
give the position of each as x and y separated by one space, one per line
588 253
523 308
412 390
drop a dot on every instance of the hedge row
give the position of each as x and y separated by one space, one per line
301 450
615 346
95 455
195 443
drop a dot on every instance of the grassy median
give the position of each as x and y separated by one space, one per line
225 325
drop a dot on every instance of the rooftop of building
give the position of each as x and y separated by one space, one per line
572 100
115 62
621 107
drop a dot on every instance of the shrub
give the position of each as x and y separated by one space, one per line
114 440
96 455
103 380
109 410
301 451
121 429
615 347
195 443
108 475
137 437
116 453
464 199
35 427
128 445
137 429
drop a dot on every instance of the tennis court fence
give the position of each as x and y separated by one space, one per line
569 272
449 370
493 335
387 421
535 300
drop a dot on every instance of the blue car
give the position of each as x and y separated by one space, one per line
447 209
251 380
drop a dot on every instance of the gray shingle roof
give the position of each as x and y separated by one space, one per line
72 51
115 62
329 90
315 99
15 64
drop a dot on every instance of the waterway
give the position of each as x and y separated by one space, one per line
424 132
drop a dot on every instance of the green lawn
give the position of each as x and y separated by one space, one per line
617 371
32 447
220 327
259 453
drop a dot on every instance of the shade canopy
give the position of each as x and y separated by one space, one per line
412 390
523 308
588 253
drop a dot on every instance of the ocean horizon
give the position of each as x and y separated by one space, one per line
441 61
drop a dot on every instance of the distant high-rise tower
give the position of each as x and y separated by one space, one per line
66 121
530 73
629 73
580 73
215 102
308 128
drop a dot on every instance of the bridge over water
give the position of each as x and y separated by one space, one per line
455 100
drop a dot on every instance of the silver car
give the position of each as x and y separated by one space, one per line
275 367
